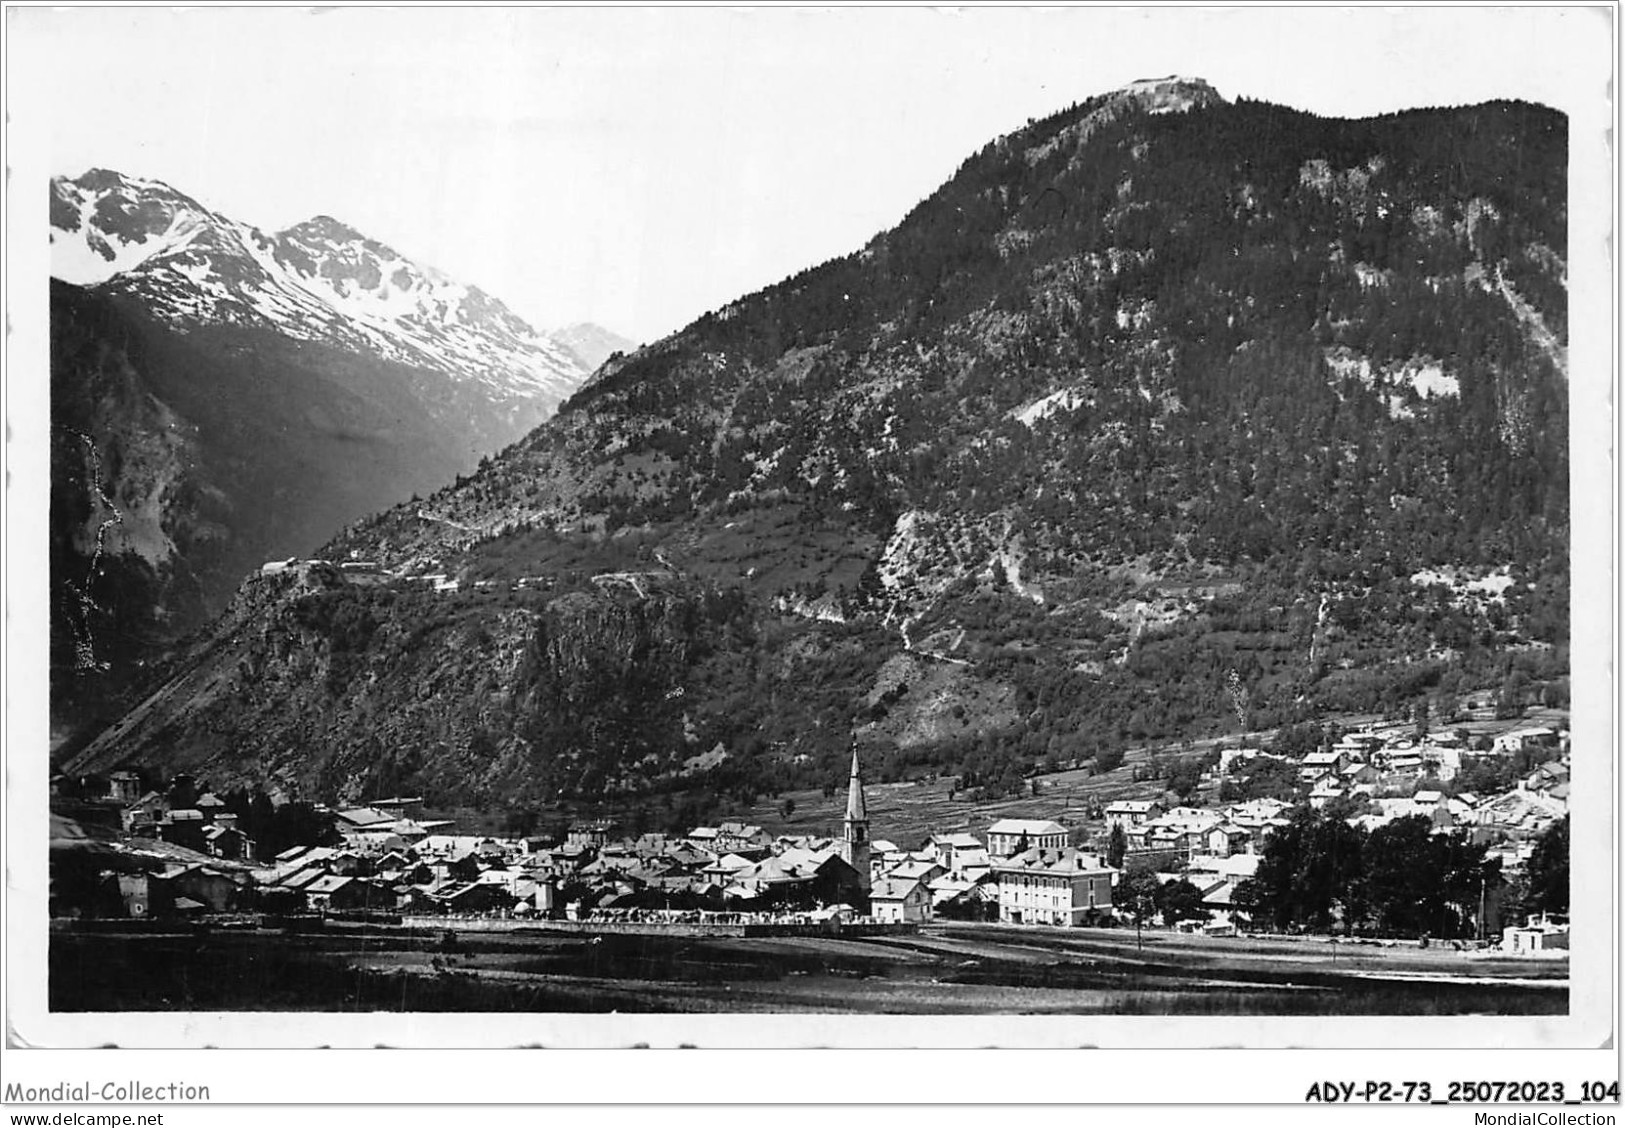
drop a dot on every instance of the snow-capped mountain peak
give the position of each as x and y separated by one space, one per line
105 223
320 280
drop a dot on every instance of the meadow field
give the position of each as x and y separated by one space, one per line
945 969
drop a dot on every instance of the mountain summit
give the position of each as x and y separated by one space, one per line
1173 94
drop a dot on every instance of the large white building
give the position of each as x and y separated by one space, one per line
1011 836
1053 886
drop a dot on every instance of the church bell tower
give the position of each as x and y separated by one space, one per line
855 830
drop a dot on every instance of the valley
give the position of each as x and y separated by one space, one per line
1164 523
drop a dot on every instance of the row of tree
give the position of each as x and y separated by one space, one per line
1322 874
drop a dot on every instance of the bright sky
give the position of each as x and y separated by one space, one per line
639 167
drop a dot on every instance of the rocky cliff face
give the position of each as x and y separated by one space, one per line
1151 422
222 396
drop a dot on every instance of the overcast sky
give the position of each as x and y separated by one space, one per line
638 167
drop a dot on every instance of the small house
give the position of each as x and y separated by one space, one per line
899 901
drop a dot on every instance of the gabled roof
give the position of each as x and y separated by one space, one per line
451 891
730 862
893 889
1235 865
364 816
807 856
302 878
915 870
329 883
1031 827
1065 861
967 860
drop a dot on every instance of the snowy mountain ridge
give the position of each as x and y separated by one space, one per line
319 280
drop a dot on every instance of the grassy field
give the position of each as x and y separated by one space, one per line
946 969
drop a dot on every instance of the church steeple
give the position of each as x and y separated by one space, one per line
855 830
856 811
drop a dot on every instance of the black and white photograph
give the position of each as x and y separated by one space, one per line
885 526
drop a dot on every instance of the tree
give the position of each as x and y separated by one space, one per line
1137 893
1509 697
787 807
1310 874
1108 759
1404 892
1247 900
1548 870
1116 846
1185 777
1180 900
1420 882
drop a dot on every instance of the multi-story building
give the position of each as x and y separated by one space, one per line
1046 886
1130 813
1008 837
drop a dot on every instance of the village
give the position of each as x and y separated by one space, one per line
178 854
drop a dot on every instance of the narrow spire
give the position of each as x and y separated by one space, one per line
856 809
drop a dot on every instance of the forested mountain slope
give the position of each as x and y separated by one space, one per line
1165 416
